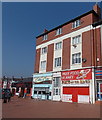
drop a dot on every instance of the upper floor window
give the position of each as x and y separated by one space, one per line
59 31
76 58
75 23
44 50
45 37
76 40
58 62
58 45
43 65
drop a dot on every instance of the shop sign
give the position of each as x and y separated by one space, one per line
76 82
42 79
82 74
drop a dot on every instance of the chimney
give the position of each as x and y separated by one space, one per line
97 9
45 30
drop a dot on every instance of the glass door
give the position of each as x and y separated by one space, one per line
56 89
99 91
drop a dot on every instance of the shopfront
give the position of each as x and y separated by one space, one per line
42 86
77 86
98 75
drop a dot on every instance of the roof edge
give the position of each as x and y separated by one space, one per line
91 11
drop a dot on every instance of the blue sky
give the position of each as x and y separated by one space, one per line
22 22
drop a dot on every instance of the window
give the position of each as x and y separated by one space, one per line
75 23
56 91
57 62
58 45
76 58
45 37
56 81
76 40
35 92
43 65
39 92
44 50
58 31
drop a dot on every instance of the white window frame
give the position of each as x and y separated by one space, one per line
44 50
56 82
76 40
76 23
58 45
43 65
59 31
57 62
45 37
76 58
56 91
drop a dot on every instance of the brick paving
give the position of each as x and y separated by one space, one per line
30 108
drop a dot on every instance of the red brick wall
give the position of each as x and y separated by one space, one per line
50 58
87 48
66 54
97 35
37 61
85 21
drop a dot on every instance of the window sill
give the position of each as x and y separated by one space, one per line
44 54
76 27
58 34
57 67
76 64
77 43
58 49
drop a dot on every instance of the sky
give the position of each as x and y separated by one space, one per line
22 22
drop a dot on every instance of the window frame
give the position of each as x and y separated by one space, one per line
76 40
57 62
59 31
76 23
76 58
58 45
42 50
42 62
45 37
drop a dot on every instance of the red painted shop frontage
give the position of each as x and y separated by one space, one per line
77 86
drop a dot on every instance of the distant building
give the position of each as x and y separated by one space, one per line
18 85
67 60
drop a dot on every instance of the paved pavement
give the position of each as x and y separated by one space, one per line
30 108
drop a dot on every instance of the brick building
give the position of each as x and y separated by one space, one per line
66 60
18 85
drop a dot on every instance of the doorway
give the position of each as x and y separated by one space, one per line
99 91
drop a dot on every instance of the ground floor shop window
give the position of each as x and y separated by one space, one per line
35 92
56 91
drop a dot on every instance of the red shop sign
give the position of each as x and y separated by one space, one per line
77 74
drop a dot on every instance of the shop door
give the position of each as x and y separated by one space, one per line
99 91
56 94
75 95
56 89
